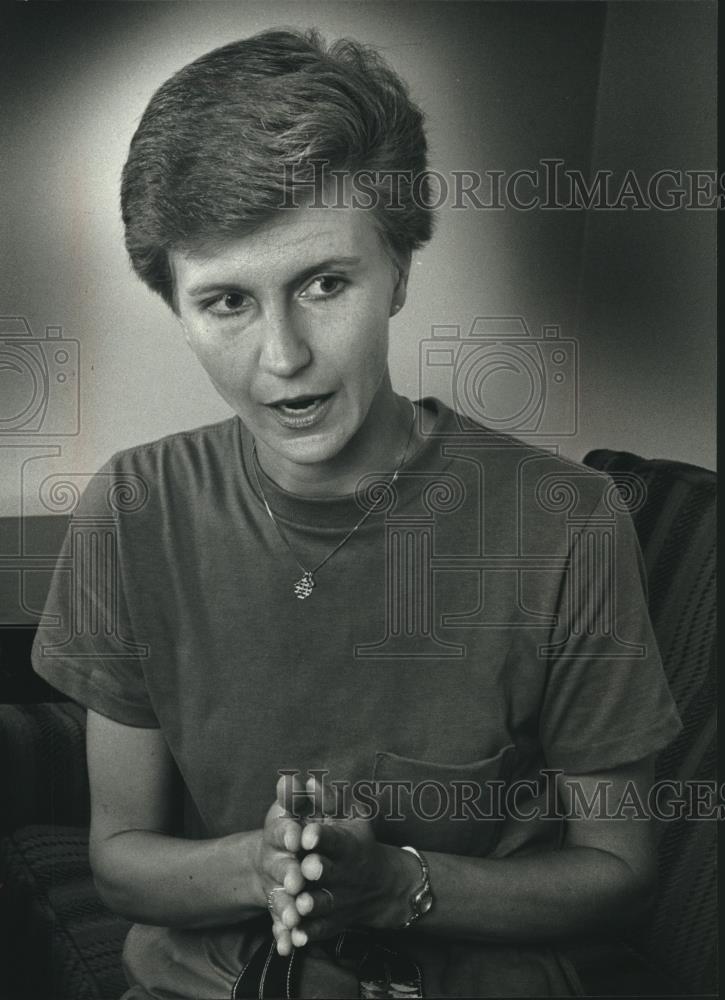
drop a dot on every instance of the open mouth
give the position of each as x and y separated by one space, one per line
301 405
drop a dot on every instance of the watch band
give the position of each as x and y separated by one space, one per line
421 900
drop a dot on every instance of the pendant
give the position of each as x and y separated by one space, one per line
303 587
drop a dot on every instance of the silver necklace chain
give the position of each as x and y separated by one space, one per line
304 586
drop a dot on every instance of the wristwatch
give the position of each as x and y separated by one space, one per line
421 901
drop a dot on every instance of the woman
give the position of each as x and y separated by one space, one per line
310 689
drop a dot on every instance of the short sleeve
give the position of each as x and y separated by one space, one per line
607 701
85 644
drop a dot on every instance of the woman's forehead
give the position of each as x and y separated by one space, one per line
293 239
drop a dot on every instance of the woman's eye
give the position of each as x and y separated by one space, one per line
323 287
228 304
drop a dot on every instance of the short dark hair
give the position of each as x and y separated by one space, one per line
219 141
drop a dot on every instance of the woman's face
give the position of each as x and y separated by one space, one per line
291 325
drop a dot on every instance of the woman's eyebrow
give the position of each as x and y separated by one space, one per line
319 267
325 265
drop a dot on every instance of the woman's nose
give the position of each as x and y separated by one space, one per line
284 349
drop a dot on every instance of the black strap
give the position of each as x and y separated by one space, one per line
268 974
382 970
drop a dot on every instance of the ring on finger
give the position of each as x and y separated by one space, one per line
270 897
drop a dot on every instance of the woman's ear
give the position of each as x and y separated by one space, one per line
401 287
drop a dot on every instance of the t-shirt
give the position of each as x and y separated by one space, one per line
485 622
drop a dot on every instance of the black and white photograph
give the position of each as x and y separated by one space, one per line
358 499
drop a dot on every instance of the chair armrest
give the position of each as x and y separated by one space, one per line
44 778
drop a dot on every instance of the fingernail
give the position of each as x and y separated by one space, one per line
289 840
309 838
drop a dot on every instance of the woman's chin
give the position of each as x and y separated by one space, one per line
313 449
305 446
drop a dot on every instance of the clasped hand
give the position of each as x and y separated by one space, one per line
322 873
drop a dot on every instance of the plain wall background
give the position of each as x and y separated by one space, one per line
618 86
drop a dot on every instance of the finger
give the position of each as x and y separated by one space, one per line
299 937
329 839
272 899
284 833
305 903
290 916
310 837
292 795
283 938
274 813
313 867
318 901
282 907
284 870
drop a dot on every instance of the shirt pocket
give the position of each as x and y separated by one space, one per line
452 808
